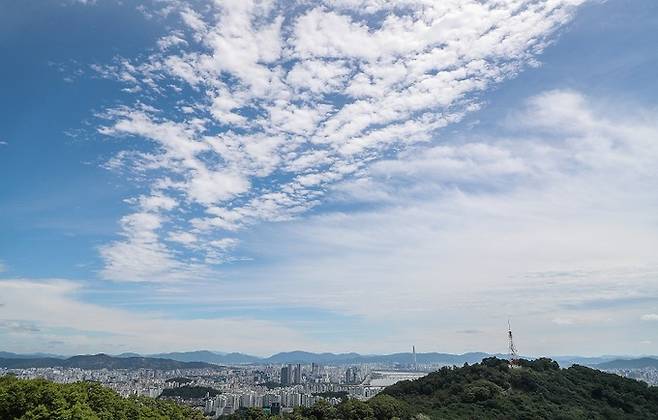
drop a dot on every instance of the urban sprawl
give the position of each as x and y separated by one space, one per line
225 389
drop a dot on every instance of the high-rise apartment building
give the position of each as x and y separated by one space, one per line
298 374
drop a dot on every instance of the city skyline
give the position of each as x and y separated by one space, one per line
261 177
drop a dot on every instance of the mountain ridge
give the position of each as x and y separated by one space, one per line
305 357
102 361
642 362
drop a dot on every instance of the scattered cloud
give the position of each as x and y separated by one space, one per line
550 224
441 231
276 102
649 317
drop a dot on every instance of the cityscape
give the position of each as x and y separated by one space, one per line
277 389
328 209
222 390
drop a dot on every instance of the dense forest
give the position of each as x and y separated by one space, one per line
38 399
536 389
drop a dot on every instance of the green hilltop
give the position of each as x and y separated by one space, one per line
536 389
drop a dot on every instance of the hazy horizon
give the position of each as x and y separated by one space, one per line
260 176
341 353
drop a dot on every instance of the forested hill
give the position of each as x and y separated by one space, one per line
40 399
537 390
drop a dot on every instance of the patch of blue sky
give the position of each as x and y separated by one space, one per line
607 51
54 206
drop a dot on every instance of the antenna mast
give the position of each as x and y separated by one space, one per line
513 355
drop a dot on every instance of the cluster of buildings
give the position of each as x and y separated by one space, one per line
275 402
296 374
275 388
291 374
646 374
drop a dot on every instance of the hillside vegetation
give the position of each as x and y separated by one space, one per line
539 389
38 399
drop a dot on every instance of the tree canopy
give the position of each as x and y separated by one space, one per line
38 399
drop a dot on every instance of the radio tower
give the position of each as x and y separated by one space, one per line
513 355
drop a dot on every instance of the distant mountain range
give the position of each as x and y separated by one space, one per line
322 358
404 358
566 361
205 357
643 362
217 358
101 361
210 357
9 355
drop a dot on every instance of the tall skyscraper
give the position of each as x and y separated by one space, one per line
291 374
414 362
298 374
352 375
287 375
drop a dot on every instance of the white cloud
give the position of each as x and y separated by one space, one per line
288 100
649 317
141 256
551 225
172 40
156 202
184 238
318 76
209 187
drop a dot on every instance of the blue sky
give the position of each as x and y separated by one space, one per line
335 177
